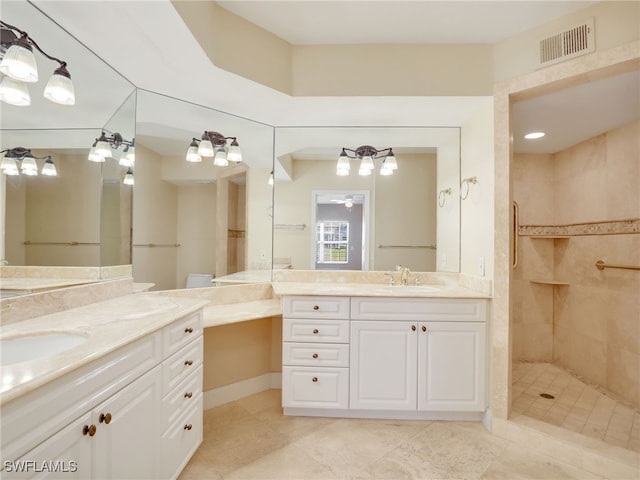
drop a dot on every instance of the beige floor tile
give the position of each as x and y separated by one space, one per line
261 401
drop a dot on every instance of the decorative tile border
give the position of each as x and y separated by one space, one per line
615 227
235 233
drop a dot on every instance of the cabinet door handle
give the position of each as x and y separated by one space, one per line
91 430
188 362
315 355
188 426
315 331
314 379
188 395
413 327
188 330
424 329
316 307
105 418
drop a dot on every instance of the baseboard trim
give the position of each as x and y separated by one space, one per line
235 391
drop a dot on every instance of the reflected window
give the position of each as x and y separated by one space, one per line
332 240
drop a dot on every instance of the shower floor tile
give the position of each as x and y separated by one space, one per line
576 406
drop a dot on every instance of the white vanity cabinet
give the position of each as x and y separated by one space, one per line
315 352
418 354
108 418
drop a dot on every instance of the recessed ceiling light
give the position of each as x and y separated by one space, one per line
534 135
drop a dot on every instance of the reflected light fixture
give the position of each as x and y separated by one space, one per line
367 155
214 144
270 181
28 164
128 177
534 135
19 67
104 147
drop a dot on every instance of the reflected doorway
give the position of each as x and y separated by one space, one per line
231 221
340 238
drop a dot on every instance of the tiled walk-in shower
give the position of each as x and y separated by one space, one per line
575 406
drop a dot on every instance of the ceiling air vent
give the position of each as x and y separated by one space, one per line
567 44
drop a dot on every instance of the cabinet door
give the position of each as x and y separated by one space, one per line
67 454
128 445
383 365
451 366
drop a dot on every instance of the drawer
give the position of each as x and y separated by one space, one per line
418 309
315 354
181 398
178 334
179 442
322 387
179 365
319 331
316 307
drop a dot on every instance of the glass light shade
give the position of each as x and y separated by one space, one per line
14 92
343 163
128 158
364 171
30 173
60 90
367 162
220 160
234 154
205 149
19 63
342 172
95 157
385 171
49 169
9 166
270 181
390 162
103 149
29 164
192 154
128 178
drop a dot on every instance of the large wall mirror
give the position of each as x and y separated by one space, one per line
198 224
352 222
66 220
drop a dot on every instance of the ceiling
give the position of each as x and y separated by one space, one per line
142 39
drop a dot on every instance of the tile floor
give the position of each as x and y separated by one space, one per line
251 439
577 406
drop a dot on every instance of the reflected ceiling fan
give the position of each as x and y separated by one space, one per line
347 200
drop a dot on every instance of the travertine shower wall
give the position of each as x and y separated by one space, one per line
591 325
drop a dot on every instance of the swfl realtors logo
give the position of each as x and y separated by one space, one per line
41 466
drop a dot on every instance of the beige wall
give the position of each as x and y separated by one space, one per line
15 191
259 237
448 215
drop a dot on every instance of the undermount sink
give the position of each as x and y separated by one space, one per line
31 347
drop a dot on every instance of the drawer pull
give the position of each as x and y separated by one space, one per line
316 307
424 329
105 418
413 327
188 426
315 355
188 363
188 330
315 331
314 379
91 430
188 395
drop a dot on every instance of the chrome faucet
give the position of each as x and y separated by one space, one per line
404 274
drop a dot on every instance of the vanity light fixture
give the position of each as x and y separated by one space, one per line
104 146
28 164
214 144
367 154
270 181
128 177
19 67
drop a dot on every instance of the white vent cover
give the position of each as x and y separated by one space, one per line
567 44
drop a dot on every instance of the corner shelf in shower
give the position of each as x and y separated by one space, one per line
550 282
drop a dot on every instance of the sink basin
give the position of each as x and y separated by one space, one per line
31 347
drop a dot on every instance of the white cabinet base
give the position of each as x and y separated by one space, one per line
384 414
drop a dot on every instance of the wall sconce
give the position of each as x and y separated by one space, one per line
19 67
29 166
103 148
214 144
464 186
442 196
367 154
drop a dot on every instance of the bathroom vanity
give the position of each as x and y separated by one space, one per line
374 351
125 402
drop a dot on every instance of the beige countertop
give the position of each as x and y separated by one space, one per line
29 284
375 290
108 325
